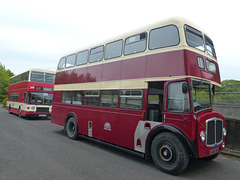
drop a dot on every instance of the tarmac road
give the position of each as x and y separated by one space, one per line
36 149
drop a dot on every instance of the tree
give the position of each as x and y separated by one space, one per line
229 86
5 75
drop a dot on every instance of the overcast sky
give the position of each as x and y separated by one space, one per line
35 34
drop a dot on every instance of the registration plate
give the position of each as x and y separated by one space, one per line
213 151
42 115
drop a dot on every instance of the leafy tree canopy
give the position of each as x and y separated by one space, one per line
229 86
5 75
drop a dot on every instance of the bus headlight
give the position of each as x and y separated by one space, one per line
224 132
202 136
223 145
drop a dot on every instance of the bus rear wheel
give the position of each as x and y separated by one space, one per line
169 154
72 128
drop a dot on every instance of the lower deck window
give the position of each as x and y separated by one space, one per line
131 99
92 98
78 97
66 97
109 98
13 96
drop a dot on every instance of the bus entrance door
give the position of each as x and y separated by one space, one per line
155 101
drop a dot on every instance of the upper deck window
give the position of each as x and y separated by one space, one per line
37 76
210 47
82 57
62 63
49 78
71 60
19 78
42 77
135 44
194 38
96 54
211 66
163 37
113 49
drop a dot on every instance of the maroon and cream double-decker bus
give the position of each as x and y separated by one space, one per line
30 93
149 91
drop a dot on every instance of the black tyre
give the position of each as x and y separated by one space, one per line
169 154
9 109
19 112
72 128
209 158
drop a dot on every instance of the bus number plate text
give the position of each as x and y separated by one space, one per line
42 115
213 151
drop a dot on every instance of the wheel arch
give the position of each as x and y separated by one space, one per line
71 114
191 147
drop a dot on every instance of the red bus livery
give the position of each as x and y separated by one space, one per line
149 92
31 93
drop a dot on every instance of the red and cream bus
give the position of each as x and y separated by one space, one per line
31 93
149 92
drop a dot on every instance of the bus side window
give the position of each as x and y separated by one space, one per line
135 44
62 63
82 58
109 98
163 37
131 99
96 54
66 97
113 49
78 97
24 97
92 98
70 62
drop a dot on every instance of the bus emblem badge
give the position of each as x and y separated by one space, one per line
107 126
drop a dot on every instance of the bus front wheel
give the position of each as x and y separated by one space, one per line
19 112
72 128
9 109
169 154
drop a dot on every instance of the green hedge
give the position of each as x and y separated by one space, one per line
4 102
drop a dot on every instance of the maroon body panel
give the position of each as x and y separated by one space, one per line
167 64
134 68
192 68
112 71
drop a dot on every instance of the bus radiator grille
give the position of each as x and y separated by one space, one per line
42 109
214 132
